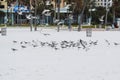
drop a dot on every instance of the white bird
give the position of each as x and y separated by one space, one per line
28 16
45 11
19 12
48 3
56 21
60 23
101 18
67 6
47 14
34 17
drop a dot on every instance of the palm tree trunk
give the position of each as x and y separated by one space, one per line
35 15
80 17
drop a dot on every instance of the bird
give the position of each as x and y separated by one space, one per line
83 43
116 43
45 11
19 12
78 47
46 34
48 3
14 41
34 45
101 18
95 43
56 21
107 42
23 46
67 6
13 49
29 16
60 23
56 48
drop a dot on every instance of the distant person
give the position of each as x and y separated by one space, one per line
115 24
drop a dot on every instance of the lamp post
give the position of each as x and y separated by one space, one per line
90 19
58 13
35 15
30 16
55 12
47 13
69 16
17 11
107 10
70 21
12 7
6 15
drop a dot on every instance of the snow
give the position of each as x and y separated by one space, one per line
98 61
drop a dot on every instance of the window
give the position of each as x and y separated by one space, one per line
2 6
104 3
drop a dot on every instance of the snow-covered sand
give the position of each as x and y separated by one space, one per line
23 57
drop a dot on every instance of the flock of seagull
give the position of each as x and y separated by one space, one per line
80 44
64 44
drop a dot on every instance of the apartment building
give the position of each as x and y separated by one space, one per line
103 3
62 4
3 5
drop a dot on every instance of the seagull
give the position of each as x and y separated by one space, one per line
45 34
45 11
56 48
28 16
56 21
23 46
47 14
107 42
14 41
13 49
67 6
101 18
116 43
34 17
95 43
19 12
48 3
60 23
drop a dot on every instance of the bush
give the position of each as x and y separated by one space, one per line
91 26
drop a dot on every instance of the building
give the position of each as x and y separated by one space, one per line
103 3
3 5
64 7
62 4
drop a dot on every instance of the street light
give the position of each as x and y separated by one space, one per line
58 13
47 13
12 7
69 16
90 19
107 10
35 15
